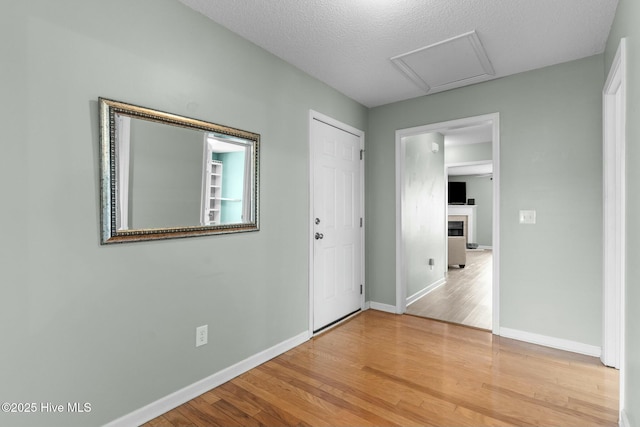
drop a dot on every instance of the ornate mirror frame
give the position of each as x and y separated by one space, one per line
110 112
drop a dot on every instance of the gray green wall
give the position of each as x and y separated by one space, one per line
550 160
626 25
115 325
423 230
468 152
165 175
480 188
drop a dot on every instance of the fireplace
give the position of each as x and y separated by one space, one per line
456 228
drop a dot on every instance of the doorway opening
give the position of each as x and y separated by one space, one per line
484 255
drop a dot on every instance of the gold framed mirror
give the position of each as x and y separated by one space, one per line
167 176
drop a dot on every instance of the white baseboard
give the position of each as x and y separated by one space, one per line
432 287
624 419
561 344
167 403
490 248
382 307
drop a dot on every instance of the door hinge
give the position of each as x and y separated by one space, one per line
362 154
360 222
360 289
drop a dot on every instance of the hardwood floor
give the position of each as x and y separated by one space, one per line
381 369
466 296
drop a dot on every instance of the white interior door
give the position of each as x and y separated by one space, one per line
337 231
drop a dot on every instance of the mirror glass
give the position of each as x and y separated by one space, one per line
166 176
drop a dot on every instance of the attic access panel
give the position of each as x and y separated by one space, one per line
448 64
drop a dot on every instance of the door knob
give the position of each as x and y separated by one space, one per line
319 236
317 221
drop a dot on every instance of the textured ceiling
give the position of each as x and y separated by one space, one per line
348 44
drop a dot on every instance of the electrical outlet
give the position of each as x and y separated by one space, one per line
202 335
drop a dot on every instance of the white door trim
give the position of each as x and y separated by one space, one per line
614 229
613 96
314 115
401 285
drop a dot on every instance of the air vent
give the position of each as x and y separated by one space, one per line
448 64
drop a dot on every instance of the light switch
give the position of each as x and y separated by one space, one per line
527 217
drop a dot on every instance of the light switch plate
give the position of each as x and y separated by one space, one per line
527 217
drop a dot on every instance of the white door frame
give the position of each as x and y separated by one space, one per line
614 212
314 115
401 284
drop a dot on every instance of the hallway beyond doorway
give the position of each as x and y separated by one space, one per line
465 298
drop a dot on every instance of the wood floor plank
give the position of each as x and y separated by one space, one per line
381 369
268 410
331 407
178 417
236 398
285 403
235 413
211 396
456 400
203 414
370 403
349 380
593 408
296 381
161 421
524 399
360 387
465 298
476 419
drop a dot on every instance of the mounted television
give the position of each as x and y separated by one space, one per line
457 193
